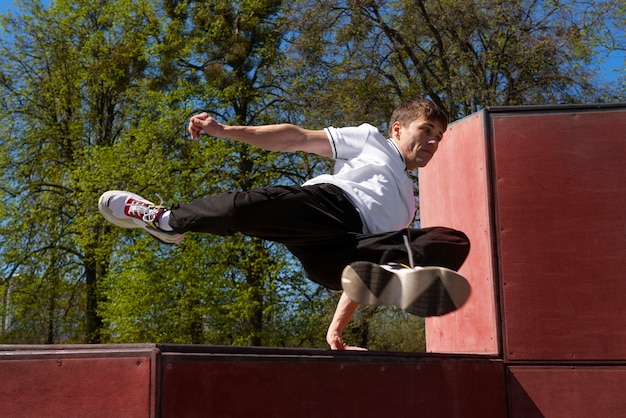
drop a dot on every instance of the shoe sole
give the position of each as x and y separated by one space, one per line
163 236
429 291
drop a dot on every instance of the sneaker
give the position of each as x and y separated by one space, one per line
128 210
422 291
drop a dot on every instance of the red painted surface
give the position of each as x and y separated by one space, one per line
566 391
75 387
454 192
543 192
218 381
339 386
561 211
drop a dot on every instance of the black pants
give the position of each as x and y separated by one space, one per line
320 226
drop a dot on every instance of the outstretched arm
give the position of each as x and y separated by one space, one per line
281 137
345 309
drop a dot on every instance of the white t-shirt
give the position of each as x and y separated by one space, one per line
372 173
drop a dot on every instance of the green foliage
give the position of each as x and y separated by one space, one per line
95 95
464 55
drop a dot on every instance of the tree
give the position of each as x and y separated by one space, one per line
71 78
464 55
95 95
233 54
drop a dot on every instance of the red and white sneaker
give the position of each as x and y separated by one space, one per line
422 291
129 210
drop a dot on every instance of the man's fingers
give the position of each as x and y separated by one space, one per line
195 127
354 348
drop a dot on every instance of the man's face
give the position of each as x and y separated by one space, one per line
418 141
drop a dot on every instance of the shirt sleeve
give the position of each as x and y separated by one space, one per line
348 142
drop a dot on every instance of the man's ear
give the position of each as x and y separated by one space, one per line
395 129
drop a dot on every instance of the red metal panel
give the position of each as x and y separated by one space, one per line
454 192
331 386
561 199
566 392
102 387
77 381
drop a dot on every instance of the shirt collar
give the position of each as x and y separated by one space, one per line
393 144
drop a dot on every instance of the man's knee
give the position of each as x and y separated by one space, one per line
445 247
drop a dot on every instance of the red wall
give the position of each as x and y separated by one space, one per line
331 384
455 192
541 192
77 381
561 214
209 381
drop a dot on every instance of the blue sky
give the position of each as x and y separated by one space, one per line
614 61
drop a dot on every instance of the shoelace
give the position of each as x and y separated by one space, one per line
408 250
148 213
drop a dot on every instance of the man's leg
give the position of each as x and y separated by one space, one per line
318 215
292 215
428 289
438 246
430 247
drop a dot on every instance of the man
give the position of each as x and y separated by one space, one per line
341 227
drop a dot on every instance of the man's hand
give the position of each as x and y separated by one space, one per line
335 341
204 123
343 313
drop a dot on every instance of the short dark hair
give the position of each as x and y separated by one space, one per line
413 109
